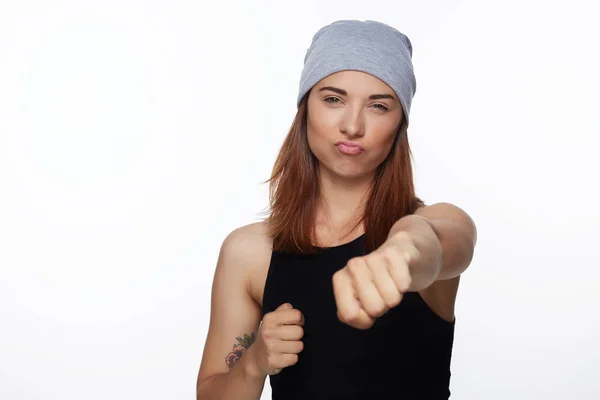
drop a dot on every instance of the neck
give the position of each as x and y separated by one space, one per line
342 203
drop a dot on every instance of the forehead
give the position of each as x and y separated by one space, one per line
355 82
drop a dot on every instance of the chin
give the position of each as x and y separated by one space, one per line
345 169
350 173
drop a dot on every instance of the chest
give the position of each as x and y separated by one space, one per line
307 282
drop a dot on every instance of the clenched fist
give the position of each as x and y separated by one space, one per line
278 342
368 286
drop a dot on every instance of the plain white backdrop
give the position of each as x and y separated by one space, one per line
134 136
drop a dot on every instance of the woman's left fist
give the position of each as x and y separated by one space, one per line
368 286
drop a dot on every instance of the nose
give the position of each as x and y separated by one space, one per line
352 124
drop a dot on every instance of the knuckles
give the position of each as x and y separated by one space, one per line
349 317
267 319
270 347
266 333
297 316
393 301
354 320
377 310
393 260
355 267
389 254
336 277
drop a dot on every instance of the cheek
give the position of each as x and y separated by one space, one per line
318 145
380 149
388 142
318 132
322 123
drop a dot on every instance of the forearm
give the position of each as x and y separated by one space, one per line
240 383
426 267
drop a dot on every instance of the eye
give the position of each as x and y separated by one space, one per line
336 100
380 106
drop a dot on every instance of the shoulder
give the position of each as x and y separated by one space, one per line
246 251
247 243
255 232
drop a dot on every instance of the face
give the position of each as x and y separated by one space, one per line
353 118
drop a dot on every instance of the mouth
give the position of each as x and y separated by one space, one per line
349 148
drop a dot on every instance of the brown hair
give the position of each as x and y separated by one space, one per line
294 191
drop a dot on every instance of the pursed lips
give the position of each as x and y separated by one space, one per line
349 147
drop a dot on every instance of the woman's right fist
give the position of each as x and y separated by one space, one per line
277 342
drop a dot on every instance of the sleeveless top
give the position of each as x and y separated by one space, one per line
404 355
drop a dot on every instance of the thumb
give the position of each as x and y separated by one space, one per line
285 306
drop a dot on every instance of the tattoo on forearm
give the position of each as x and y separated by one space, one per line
239 349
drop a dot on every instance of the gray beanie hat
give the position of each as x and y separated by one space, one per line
368 46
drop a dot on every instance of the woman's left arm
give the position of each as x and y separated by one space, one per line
444 237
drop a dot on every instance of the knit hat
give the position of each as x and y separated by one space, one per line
368 46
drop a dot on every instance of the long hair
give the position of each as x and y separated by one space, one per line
294 191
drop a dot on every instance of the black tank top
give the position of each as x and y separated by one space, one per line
404 355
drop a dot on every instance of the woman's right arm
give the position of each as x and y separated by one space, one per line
224 373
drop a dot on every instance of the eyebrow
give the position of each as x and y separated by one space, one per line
342 92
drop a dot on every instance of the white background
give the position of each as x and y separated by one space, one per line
135 135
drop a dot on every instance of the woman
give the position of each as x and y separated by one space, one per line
346 290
